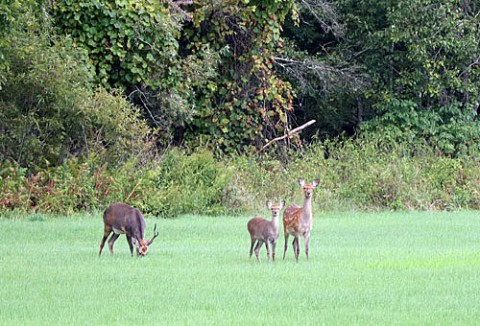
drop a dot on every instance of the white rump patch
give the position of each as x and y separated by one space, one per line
117 231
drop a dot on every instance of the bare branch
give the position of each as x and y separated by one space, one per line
475 63
314 76
290 134
324 14
179 10
144 99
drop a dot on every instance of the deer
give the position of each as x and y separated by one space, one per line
265 231
121 218
297 220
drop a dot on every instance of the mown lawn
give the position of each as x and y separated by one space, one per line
365 268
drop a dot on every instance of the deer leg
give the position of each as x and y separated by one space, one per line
296 247
130 244
112 240
307 240
105 236
286 244
251 248
102 244
267 244
257 249
274 245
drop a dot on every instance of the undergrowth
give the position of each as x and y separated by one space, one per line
354 175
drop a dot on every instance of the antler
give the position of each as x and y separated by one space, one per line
155 234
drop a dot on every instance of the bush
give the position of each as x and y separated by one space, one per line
451 130
48 110
169 186
358 174
364 174
184 184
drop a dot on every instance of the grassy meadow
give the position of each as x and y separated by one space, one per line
365 268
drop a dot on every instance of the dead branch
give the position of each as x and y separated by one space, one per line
289 134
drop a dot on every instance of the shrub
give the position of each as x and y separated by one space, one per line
357 174
183 184
48 110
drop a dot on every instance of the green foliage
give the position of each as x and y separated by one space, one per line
231 75
327 81
133 45
114 129
67 144
438 69
183 89
250 101
45 86
176 184
365 174
15 13
448 129
376 174
48 109
126 41
422 58
46 120
186 184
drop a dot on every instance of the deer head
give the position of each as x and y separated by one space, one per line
308 188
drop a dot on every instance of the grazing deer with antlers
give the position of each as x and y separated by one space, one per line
297 221
121 218
264 231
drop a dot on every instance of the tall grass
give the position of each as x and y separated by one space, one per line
364 175
361 174
365 268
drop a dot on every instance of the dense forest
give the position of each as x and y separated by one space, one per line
152 101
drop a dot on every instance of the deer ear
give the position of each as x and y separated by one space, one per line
301 182
316 182
282 204
269 204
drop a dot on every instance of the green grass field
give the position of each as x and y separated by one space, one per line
365 268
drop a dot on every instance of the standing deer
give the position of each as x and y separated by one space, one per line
121 218
297 220
262 230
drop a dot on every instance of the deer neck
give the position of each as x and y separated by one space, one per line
275 221
137 236
307 210
139 226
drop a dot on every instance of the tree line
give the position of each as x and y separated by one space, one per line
111 80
